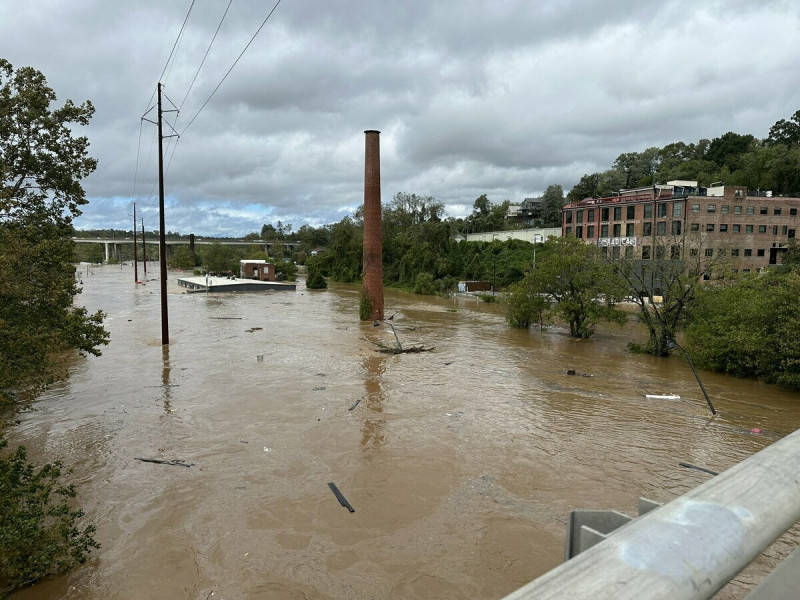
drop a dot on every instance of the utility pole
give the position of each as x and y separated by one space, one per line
135 253
144 251
162 242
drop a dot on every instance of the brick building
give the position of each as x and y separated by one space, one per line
679 217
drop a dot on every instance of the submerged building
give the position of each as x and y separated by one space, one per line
750 229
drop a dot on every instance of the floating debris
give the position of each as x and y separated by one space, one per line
178 462
342 500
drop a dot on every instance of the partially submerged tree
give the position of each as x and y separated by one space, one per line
663 282
578 281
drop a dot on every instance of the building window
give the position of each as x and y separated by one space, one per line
675 252
748 252
777 212
762 229
628 251
629 230
579 216
709 227
661 228
751 210
579 231
631 213
618 213
695 208
790 235
617 229
645 252
604 231
569 230
569 217
676 228
693 252
712 208
774 230
748 229
738 193
737 210
648 211
604 214
792 212
661 252
783 230
725 209
709 252
590 215
723 227
647 228
662 210
677 209
735 252
760 252
694 227
763 210
590 231
737 228
615 252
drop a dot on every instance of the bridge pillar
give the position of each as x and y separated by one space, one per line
107 250
372 295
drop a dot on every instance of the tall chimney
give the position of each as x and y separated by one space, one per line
372 295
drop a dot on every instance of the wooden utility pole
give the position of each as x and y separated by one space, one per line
135 253
162 241
144 251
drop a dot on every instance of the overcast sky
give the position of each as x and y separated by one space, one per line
496 97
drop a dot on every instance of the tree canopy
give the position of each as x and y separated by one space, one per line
41 166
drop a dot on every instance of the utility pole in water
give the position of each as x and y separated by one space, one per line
144 251
162 242
135 253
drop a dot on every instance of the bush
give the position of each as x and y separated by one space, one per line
423 284
316 281
38 532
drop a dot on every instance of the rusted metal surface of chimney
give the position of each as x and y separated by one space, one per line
372 296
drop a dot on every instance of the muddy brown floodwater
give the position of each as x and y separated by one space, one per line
462 463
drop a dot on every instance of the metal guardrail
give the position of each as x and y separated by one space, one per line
691 547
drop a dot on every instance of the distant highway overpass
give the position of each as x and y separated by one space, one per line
112 245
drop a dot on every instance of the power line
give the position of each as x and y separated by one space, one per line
264 22
202 62
169 58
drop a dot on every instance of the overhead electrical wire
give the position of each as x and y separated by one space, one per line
264 22
202 62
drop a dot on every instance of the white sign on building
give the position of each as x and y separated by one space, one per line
618 241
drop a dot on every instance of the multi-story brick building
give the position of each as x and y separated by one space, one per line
681 217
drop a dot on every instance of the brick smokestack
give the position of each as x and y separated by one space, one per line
372 296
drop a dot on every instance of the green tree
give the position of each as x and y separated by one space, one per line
217 258
41 167
578 280
39 531
181 258
42 163
523 305
785 132
587 187
552 202
749 328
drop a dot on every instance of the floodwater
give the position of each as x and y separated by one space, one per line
461 463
